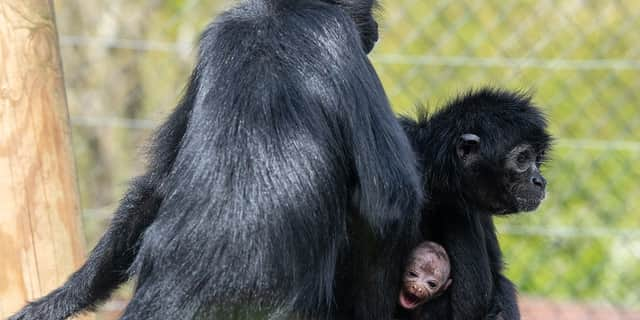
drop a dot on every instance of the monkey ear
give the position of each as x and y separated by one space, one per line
447 284
468 147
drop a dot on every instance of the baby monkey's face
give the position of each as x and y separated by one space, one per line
426 275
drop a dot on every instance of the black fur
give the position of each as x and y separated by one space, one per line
466 189
282 165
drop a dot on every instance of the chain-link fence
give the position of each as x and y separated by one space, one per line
578 257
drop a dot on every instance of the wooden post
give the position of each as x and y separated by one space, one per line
40 234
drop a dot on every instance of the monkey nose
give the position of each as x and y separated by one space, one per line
539 181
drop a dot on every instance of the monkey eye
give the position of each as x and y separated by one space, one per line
522 158
413 274
432 284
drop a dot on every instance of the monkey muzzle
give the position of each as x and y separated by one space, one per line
412 296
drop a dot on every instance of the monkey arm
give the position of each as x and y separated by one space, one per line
108 263
107 266
463 239
389 193
505 302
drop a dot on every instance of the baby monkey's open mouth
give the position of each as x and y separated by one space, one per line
409 300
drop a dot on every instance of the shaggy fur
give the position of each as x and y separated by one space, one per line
464 150
282 186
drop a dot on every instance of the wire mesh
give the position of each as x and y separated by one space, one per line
577 257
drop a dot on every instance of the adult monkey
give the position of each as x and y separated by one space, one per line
480 156
283 150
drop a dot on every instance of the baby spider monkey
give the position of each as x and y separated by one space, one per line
426 276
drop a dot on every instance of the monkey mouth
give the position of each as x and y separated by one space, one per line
529 204
409 300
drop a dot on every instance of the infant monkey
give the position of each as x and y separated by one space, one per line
426 275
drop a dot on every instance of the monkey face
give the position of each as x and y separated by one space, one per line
505 182
525 183
426 277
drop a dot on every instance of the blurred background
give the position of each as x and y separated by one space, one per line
577 257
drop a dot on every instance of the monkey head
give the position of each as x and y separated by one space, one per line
501 152
426 275
485 148
362 13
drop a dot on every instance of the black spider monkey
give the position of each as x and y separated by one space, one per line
281 171
480 156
